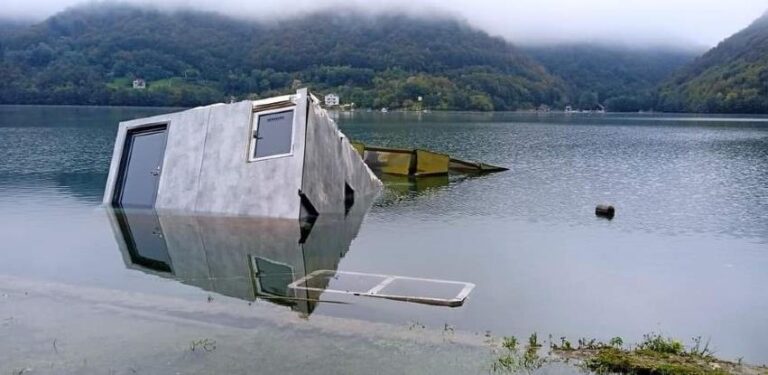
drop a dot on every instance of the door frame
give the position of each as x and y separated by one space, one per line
133 251
117 192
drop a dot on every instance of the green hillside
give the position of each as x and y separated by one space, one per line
90 55
623 79
731 78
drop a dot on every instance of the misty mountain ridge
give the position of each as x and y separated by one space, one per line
91 55
619 77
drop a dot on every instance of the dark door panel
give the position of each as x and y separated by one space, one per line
140 167
144 237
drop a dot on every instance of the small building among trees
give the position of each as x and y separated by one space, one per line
331 100
139 84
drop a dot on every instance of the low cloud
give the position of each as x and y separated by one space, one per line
632 22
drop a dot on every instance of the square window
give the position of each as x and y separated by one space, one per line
270 278
272 134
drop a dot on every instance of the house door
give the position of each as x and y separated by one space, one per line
140 167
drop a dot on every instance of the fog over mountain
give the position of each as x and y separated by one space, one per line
696 23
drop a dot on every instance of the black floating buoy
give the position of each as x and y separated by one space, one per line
604 210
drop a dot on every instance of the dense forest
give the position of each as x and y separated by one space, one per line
731 78
91 55
620 78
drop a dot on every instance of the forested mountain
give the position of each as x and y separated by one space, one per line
623 79
730 78
91 55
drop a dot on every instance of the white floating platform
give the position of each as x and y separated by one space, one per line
400 288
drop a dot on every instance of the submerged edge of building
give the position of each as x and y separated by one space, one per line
281 157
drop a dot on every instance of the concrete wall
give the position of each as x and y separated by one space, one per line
232 185
117 151
329 162
179 180
206 167
323 180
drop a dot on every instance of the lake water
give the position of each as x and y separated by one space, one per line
685 256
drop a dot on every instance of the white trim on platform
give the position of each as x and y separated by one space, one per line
375 291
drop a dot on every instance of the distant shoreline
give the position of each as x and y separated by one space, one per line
398 111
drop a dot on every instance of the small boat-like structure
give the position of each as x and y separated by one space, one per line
418 162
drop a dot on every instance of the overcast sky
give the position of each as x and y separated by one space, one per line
639 22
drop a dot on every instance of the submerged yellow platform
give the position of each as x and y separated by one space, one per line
417 162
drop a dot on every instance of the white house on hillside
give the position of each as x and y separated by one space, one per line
331 100
139 84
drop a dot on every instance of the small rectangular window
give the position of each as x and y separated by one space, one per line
270 278
272 134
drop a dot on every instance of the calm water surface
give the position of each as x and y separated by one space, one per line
686 254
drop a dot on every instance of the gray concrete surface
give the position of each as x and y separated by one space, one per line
329 162
206 166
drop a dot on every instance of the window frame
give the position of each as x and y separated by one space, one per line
258 290
254 128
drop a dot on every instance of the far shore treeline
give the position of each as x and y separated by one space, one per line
92 54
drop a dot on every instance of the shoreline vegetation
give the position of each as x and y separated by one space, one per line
654 355
337 111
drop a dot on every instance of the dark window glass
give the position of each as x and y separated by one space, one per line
274 134
273 277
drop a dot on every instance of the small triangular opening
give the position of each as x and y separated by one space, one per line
307 216
349 198
305 228
307 208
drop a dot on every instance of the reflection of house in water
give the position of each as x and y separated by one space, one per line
240 257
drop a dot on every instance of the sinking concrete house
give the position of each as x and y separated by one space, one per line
280 157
